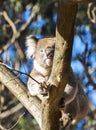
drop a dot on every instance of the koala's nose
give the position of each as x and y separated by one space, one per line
49 51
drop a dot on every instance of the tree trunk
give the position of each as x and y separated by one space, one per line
61 64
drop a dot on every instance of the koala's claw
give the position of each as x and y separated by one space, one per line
45 87
65 120
43 93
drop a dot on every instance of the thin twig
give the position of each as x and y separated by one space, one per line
13 78
26 75
87 72
20 72
10 23
83 62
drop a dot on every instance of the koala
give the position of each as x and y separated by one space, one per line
77 109
75 101
42 50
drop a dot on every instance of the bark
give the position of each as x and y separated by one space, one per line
11 81
61 64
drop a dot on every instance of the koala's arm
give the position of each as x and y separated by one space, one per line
33 87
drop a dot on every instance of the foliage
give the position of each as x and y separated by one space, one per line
31 125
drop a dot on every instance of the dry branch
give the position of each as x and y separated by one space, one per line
11 111
87 72
32 104
17 33
1 127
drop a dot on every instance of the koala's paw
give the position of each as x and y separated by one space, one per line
65 120
45 88
44 93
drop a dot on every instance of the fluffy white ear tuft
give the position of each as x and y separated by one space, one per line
31 43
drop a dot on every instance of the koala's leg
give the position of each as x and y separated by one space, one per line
68 113
83 108
70 91
65 120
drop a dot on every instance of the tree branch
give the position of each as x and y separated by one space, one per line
87 72
1 127
11 111
32 104
17 33
91 12
35 10
10 22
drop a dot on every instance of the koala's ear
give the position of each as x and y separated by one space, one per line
31 43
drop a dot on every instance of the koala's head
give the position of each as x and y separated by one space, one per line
42 50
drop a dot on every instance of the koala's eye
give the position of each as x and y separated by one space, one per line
41 50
